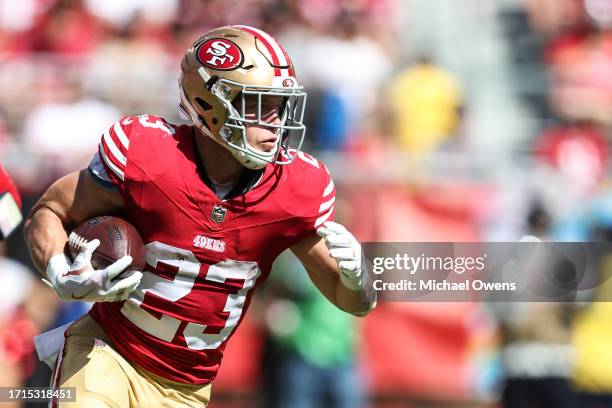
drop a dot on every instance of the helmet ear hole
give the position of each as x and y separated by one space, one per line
203 104
205 107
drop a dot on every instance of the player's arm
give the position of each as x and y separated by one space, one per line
334 265
67 203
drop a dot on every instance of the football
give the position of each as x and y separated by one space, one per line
117 239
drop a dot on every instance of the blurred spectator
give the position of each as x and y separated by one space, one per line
115 71
67 21
19 16
578 152
64 134
312 348
591 330
427 103
582 86
17 20
550 17
121 13
568 166
331 124
16 329
26 308
600 11
334 62
579 56
537 353
375 18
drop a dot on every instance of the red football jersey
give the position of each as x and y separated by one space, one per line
7 186
205 256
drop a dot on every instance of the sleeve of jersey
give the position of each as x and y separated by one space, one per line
7 186
325 199
113 150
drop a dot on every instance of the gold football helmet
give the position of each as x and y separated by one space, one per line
229 66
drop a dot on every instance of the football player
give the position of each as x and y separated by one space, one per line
215 202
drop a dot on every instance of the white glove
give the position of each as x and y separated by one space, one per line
346 250
80 281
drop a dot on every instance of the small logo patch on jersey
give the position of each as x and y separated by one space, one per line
219 53
217 245
218 214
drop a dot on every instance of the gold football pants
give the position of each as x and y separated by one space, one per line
104 379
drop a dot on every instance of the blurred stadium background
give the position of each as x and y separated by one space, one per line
440 120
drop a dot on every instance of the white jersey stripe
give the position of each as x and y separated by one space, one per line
121 135
323 218
326 205
54 402
110 164
329 188
58 360
113 148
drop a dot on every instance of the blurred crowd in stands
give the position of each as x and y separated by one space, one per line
440 120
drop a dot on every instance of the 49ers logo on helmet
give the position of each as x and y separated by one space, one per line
219 53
